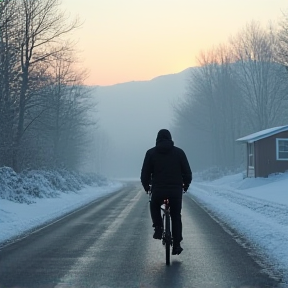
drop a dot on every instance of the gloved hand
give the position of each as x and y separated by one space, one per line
147 188
185 187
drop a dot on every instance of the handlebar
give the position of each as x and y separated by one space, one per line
150 195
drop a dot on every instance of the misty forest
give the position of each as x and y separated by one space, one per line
239 88
44 106
47 114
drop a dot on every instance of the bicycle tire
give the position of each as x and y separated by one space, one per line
167 238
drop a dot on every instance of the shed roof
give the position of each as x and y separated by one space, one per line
262 134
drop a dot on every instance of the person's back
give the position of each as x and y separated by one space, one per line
166 168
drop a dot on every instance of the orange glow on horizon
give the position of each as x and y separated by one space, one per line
106 77
128 40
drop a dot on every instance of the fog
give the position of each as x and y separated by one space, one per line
130 116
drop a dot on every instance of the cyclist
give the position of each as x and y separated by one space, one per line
167 169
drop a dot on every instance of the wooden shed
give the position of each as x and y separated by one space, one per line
267 151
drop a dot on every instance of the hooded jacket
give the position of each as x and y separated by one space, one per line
165 166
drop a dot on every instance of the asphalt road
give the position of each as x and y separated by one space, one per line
109 244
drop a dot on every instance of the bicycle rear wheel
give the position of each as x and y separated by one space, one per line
167 238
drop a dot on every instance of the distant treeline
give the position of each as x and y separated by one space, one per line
43 105
239 88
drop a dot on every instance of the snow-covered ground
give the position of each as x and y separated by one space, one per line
255 212
31 199
17 218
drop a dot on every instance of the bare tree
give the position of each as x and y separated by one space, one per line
238 88
282 51
211 110
260 78
59 116
9 88
41 30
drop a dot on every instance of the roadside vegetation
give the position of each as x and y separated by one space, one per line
44 107
239 87
27 186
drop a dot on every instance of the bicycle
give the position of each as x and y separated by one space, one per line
167 239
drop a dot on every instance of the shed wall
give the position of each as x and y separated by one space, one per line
265 156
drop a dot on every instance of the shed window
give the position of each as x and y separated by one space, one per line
282 149
251 154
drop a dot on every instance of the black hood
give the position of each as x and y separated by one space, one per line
163 134
164 141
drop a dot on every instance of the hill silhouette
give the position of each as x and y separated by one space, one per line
132 113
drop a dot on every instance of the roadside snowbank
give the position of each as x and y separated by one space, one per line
31 199
254 211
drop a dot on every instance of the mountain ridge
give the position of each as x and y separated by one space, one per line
131 114
141 81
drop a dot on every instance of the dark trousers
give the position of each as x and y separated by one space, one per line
175 212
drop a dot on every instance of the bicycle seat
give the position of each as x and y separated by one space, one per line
166 201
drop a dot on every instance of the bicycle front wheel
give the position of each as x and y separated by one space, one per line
167 238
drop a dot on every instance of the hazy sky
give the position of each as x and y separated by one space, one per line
126 40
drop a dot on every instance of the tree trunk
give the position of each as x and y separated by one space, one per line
20 126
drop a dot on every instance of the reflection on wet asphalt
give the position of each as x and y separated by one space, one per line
109 244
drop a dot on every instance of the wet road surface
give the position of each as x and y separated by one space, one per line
109 244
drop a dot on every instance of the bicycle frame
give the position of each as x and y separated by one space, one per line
167 239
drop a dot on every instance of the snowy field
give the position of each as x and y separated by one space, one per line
254 212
